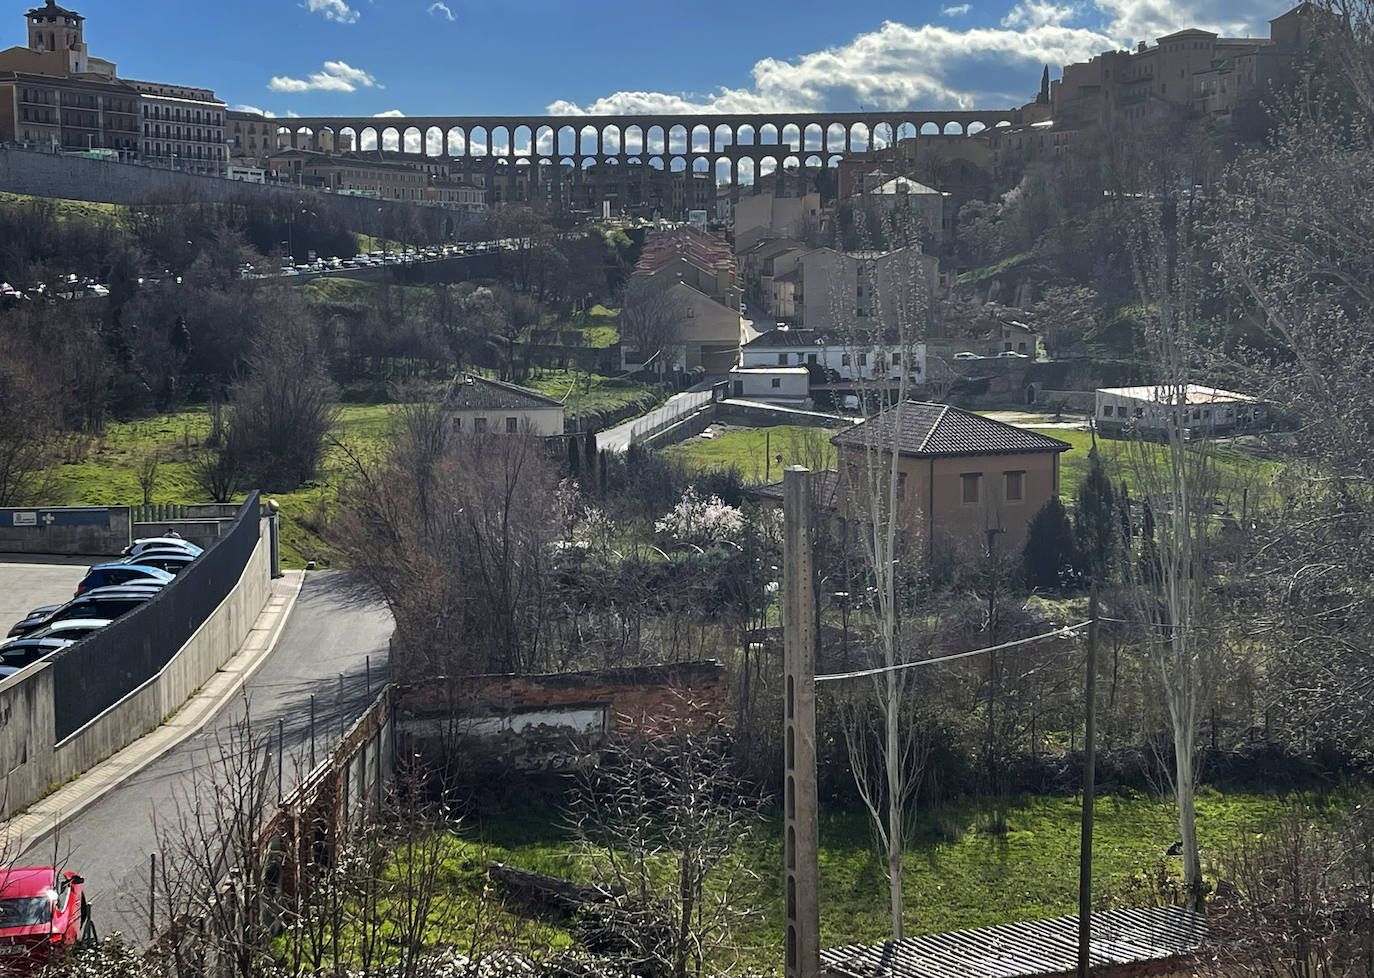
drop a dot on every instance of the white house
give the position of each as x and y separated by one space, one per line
479 404
1148 408
783 385
853 356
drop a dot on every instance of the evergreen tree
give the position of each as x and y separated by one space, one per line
1094 522
574 458
1048 556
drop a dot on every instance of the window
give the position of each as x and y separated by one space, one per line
897 359
1015 486
782 359
901 487
971 488
479 425
777 382
811 358
1107 411
512 425
844 359
863 359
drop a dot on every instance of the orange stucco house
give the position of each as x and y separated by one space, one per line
959 474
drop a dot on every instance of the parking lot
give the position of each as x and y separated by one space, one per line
26 584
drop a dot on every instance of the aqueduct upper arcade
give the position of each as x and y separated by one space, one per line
736 149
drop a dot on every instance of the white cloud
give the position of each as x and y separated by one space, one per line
335 10
255 110
933 66
1035 13
894 67
389 114
336 77
441 10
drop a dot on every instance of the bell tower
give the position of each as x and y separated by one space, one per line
54 28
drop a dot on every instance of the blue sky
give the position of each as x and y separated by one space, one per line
365 57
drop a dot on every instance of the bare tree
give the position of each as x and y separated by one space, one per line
453 530
651 320
1177 482
284 409
659 821
888 761
27 426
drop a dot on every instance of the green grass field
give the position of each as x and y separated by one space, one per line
1132 461
107 474
748 450
956 874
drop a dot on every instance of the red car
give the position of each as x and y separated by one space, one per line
43 913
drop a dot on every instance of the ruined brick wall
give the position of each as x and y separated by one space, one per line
680 696
546 723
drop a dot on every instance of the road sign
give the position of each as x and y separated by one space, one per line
25 519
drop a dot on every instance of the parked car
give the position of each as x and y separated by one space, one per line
106 602
71 629
21 652
43 914
1012 355
161 543
172 561
967 355
104 575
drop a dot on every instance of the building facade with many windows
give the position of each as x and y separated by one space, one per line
182 128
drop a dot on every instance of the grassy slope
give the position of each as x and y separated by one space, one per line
956 875
746 450
108 475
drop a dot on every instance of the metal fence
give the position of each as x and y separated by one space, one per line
101 669
670 414
158 513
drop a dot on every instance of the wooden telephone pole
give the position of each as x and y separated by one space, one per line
801 872
1085 851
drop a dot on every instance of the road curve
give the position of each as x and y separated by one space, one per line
330 633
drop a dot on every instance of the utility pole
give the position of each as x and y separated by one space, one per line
1085 847
801 870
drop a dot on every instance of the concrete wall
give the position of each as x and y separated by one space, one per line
26 726
201 532
77 178
217 639
97 531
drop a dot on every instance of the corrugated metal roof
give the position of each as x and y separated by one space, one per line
1027 948
926 429
468 391
1161 393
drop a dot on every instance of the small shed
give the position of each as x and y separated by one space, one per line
781 385
1145 941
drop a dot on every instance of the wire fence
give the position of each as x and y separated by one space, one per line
681 406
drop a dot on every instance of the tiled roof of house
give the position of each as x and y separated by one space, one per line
925 429
470 392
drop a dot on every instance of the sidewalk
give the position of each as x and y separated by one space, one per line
50 812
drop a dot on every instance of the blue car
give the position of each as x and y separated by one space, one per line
106 575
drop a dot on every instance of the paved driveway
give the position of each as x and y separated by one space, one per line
26 584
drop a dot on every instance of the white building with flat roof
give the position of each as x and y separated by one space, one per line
1151 407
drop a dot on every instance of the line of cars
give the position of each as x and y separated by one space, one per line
106 592
44 911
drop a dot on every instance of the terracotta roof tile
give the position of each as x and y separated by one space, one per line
925 429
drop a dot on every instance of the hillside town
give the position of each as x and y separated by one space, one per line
859 528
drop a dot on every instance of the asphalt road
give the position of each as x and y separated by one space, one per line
329 634
26 584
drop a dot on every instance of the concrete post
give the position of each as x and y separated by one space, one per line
801 937
274 532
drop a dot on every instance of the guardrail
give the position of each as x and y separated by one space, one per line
682 406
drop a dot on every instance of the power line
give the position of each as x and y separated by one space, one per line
1068 631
